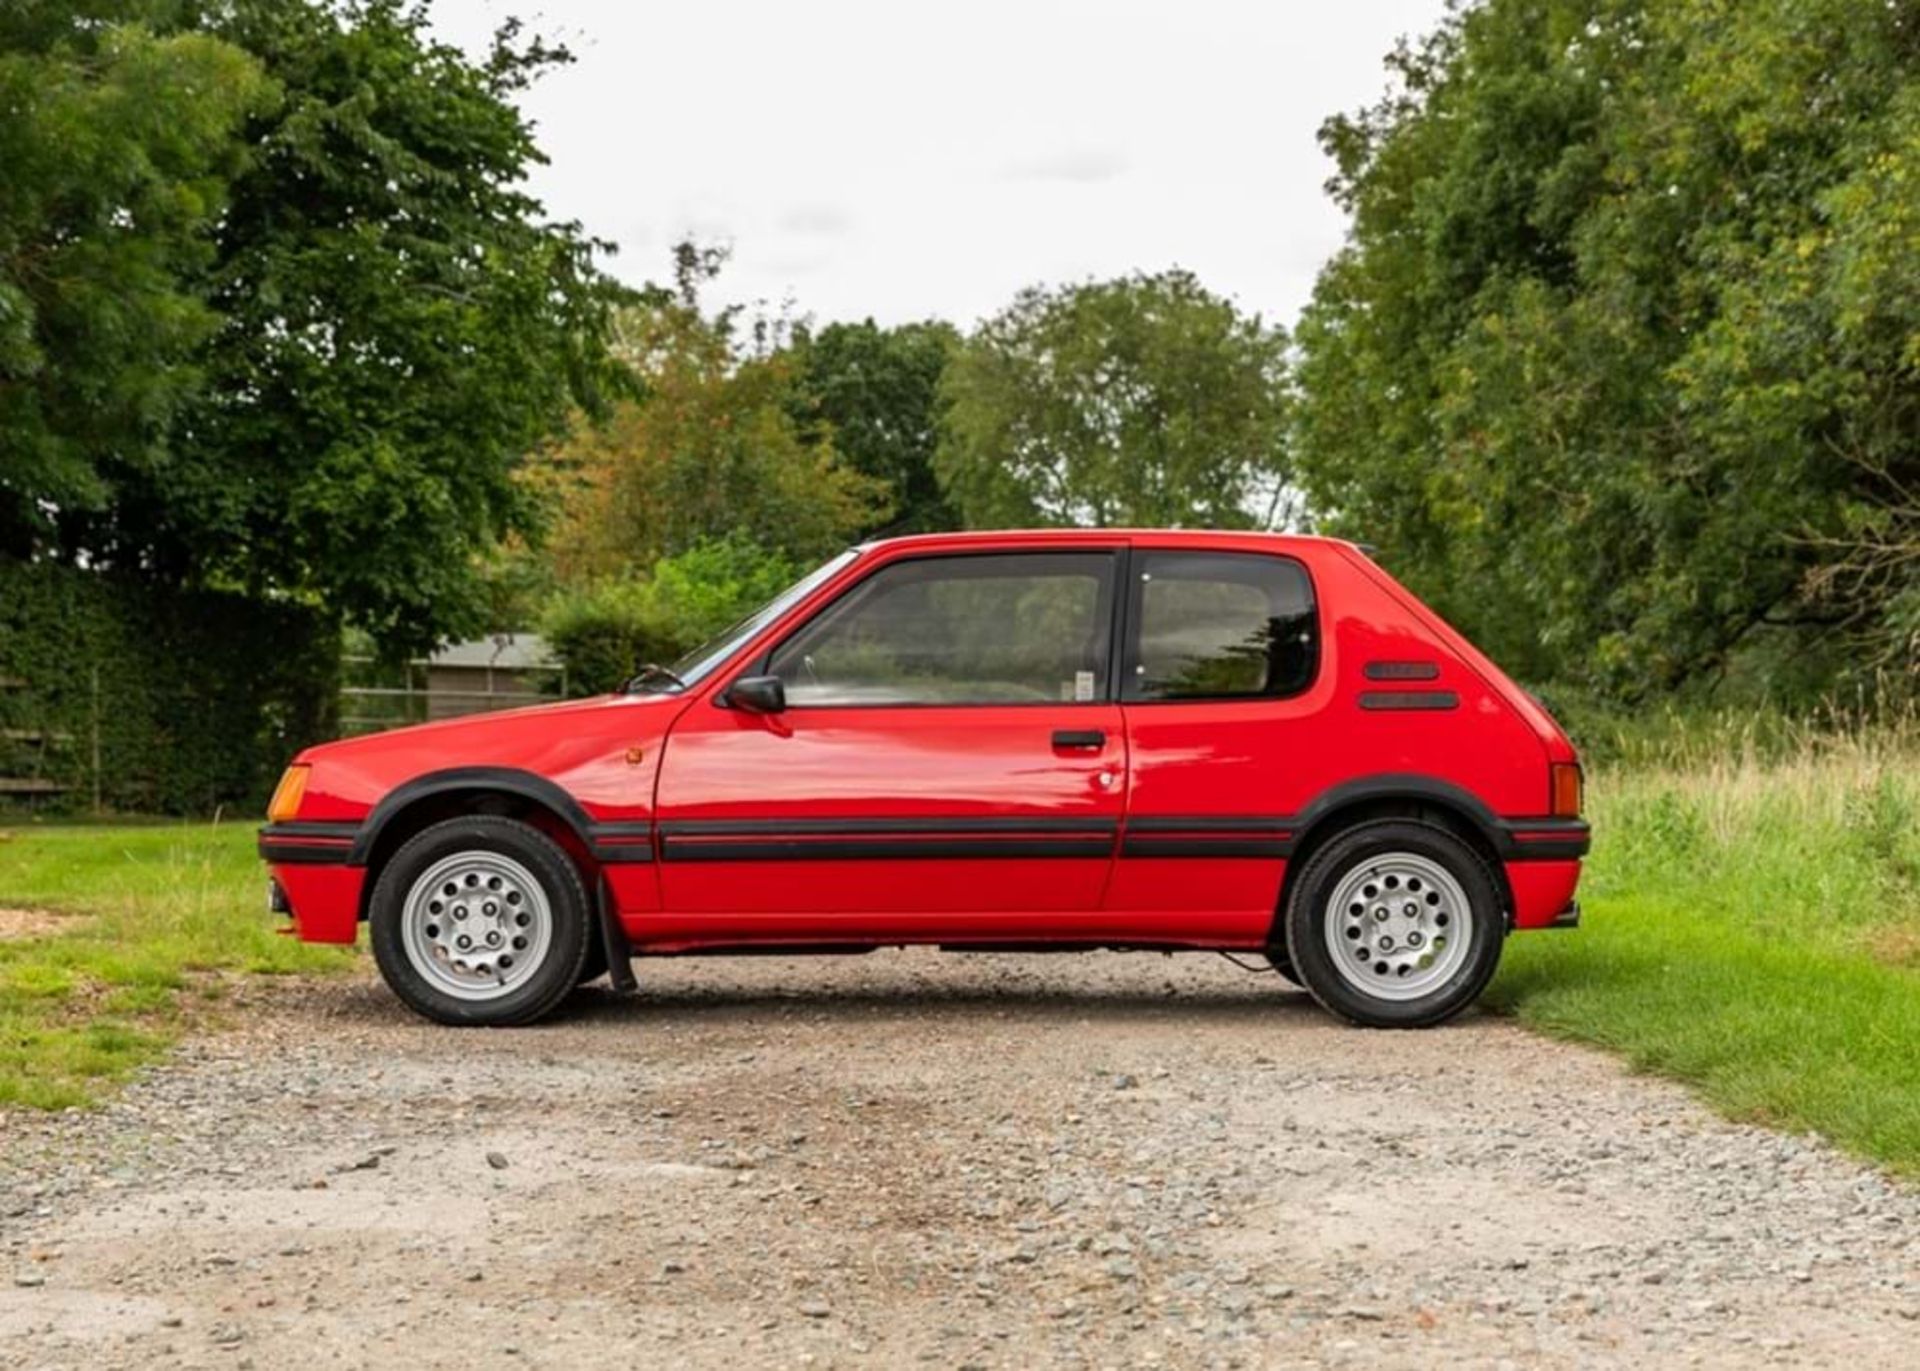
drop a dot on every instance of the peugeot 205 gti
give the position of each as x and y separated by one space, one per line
1165 741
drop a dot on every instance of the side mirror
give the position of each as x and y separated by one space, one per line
758 694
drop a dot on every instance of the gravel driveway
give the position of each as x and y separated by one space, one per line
912 1158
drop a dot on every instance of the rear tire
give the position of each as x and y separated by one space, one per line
480 921
1395 923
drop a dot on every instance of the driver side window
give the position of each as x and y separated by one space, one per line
1011 628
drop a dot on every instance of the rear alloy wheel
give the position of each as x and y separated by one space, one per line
1395 924
480 920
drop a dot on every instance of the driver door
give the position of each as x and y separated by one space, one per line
950 747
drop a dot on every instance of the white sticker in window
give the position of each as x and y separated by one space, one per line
1083 685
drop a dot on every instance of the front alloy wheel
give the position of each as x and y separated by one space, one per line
480 920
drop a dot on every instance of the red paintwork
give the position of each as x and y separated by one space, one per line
1541 890
325 900
930 763
699 760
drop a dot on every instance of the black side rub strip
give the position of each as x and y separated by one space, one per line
739 828
747 840
1208 835
307 844
862 849
1543 840
1408 699
621 842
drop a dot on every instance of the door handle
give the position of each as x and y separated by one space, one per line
1080 737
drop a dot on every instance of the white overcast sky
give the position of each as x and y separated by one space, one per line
912 160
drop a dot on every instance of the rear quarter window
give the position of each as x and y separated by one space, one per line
1220 626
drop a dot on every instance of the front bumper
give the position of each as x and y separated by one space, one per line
307 844
324 900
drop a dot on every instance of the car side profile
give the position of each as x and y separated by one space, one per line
1153 740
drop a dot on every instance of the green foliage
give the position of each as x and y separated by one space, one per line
875 392
715 583
1620 361
201 697
151 909
401 326
1145 400
117 145
276 310
709 450
604 631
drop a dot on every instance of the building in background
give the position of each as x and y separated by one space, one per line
504 671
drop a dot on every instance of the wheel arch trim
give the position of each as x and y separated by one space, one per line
511 780
1321 818
606 843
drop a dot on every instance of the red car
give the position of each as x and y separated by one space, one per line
1167 741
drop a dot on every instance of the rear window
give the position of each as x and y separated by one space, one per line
1220 626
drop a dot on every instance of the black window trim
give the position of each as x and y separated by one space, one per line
1115 552
1139 553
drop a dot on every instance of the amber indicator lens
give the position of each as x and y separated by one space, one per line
1566 790
287 795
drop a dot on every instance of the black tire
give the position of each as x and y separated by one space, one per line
1278 960
566 949
1305 927
594 965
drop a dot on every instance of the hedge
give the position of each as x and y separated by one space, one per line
603 632
189 700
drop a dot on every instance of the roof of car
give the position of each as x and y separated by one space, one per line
1199 537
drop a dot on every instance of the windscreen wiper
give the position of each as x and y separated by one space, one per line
649 672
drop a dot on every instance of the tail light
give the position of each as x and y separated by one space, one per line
1564 784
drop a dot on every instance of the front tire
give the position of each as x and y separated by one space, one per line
1395 923
480 921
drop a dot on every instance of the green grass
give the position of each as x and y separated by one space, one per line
157 911
1753 928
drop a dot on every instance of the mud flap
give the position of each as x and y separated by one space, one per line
614 939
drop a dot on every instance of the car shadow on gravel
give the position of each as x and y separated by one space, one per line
1257 1000
594 1005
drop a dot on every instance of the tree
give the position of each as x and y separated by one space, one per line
117 144
352 335
875 392
402 324
1619 361
1145 400
709 450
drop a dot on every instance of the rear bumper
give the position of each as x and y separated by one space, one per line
1542 840
1543 893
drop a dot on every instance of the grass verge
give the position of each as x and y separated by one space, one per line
154 911
1753 928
